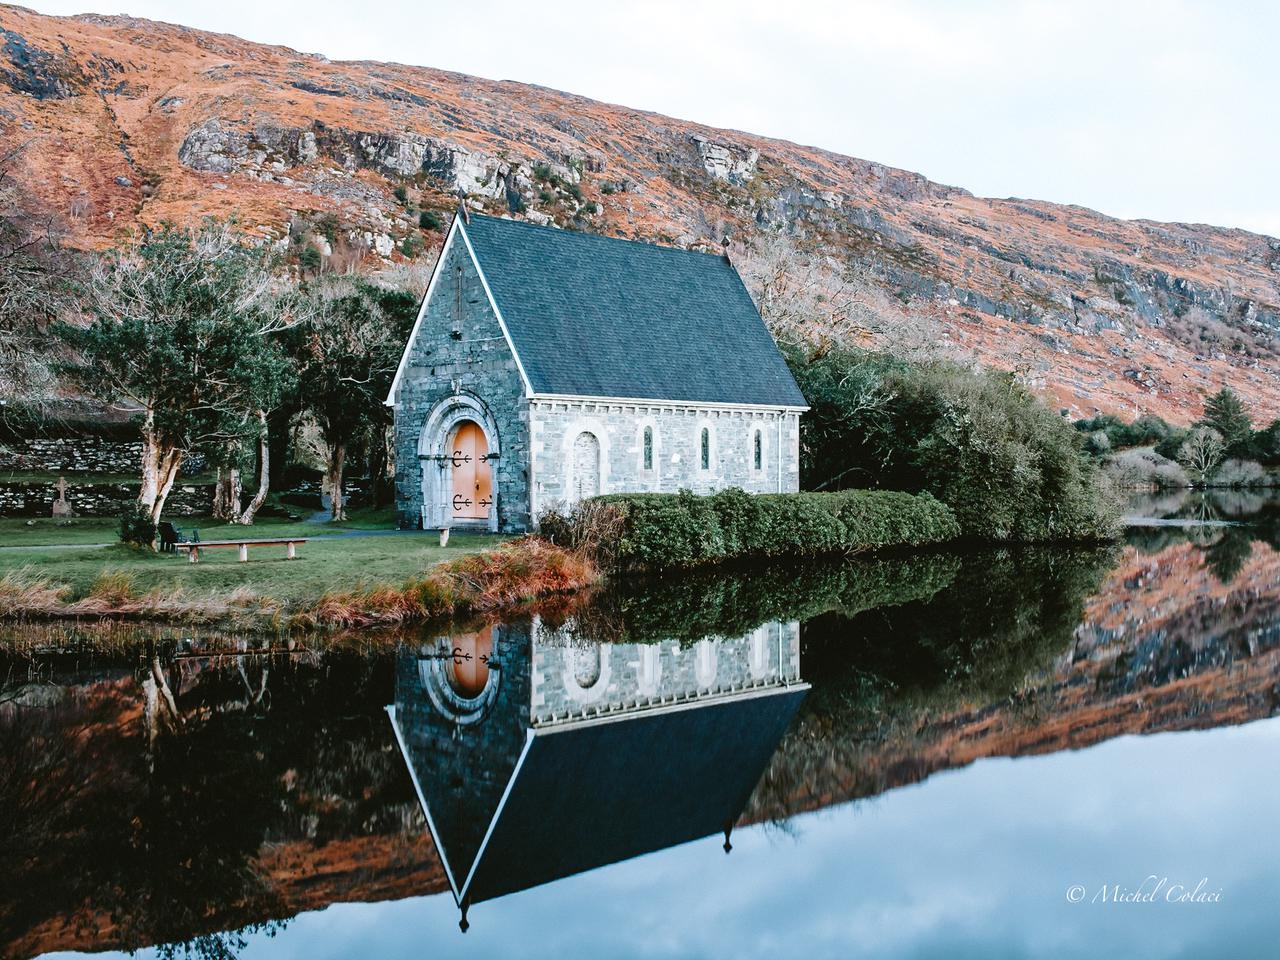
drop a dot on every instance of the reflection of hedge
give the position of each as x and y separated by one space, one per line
1005 614
679 530
732 603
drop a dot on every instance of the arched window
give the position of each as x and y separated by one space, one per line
587 664
706 449
456 333
586 466
648 448
757 451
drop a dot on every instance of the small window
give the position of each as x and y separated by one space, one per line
648 448
706 449
456 332
757 451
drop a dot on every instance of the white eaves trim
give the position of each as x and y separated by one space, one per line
422 801
455 229
528 387
497 815
647 402
422 311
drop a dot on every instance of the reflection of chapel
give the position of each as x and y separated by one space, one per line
548 365
537 758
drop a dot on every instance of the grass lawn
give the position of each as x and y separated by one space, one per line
45 531
65 554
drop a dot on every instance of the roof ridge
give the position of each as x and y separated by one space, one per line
587 235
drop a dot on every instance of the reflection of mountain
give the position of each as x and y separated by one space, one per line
566 756
1163 645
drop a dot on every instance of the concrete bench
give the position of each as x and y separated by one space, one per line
193 549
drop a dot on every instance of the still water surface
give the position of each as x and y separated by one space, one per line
941 755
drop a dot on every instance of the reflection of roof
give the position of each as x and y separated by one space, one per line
589 794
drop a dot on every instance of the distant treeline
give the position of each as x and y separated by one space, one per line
1221 448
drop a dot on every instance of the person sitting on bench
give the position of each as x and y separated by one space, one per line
168 536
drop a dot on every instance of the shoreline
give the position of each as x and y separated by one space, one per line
501 578
500 582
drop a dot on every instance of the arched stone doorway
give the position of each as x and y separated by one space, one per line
458 454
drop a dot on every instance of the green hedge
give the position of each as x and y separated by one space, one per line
681 529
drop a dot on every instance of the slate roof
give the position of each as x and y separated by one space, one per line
601 793
603 317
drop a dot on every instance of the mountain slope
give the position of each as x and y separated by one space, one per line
132 122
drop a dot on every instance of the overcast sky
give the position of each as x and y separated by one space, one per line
1163 110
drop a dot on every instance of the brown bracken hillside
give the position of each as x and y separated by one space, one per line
128 122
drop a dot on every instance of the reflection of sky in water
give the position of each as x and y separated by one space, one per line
972 863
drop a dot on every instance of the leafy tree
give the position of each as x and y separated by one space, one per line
1227 555
1008 466
1147 430
1098 443
1225 413
181 326
347 348
1264 445
310 260
274 379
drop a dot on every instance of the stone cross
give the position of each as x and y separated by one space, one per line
60 506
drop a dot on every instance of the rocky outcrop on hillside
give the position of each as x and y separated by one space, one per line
130 122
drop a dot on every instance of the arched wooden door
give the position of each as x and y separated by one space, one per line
472 476
586 466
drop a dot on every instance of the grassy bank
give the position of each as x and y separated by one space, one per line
52 569
389 578
340 583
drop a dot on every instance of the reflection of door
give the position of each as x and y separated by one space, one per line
471 662
472 478
586 466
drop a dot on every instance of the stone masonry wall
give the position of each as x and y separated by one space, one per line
98 499
619 430
569 678
80 455
460 349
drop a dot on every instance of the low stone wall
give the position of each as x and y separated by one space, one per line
80 454
98 499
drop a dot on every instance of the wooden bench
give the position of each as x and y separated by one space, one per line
194 547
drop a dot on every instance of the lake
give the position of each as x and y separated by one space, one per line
998 753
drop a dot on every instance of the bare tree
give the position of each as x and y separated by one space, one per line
1201 453
31 291
810 297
